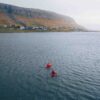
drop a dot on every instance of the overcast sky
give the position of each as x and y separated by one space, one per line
85 12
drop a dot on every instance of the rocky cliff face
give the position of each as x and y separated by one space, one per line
34 17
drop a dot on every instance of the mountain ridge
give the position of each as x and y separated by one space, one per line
10 14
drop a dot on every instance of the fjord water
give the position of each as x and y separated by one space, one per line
75 57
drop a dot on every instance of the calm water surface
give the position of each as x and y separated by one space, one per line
75 57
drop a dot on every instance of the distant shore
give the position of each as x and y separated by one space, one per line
12 30
7 30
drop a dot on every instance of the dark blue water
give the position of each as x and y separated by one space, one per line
75 57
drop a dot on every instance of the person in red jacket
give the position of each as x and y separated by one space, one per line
53 73
49 65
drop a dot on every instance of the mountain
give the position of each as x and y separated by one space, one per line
13 15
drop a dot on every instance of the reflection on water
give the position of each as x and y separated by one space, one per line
75 57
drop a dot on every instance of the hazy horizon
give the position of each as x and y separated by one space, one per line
84 12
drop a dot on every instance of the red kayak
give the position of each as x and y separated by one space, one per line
48 65
53 73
